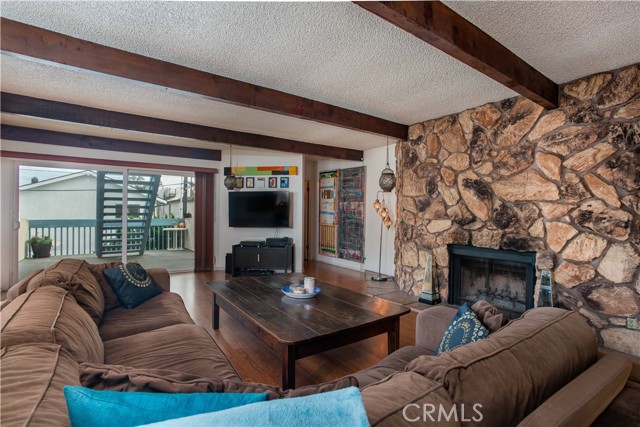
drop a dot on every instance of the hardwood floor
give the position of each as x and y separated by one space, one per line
256 362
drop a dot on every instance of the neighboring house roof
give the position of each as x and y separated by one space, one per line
71 176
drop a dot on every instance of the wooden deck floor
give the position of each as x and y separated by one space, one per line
256 362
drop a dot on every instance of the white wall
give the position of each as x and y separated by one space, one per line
8 222
70 199
226 237
374 162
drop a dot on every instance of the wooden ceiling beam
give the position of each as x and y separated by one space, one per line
40 45
54 110
444 29
41 136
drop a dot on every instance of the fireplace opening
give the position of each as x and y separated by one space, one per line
506 279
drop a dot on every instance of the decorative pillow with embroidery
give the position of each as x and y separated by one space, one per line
132 284
462 330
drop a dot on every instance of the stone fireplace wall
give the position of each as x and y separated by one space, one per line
563 183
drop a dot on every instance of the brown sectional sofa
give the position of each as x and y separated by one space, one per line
543 369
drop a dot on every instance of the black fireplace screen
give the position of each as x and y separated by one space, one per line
506 279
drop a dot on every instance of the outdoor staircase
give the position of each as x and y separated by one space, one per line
142 191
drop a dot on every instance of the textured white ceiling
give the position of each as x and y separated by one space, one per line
564 40
337 53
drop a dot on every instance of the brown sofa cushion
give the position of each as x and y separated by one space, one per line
522 364
400 399
185 348
110 297
581 401
51 314
163 310
32 379
125 378
75 276
395 362
21 287
490 317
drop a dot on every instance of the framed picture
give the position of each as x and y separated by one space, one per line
273 182
261 182
284 182
250 182
239 182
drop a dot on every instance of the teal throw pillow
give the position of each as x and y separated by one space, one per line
334 408
132 284
462 330
102 408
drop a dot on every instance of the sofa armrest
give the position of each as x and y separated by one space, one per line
161 277
431 325
581 401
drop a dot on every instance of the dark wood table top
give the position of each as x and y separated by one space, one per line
295 321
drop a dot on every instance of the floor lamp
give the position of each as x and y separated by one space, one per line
385 216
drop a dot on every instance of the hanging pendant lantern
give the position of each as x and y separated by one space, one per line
387 178
387 221
230 180
377 205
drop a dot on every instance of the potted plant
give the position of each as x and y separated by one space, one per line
40 246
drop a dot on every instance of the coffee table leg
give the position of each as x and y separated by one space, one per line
394 336
288 366
215 314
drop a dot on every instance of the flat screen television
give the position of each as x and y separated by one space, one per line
259 209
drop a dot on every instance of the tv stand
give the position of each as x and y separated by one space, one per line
248 259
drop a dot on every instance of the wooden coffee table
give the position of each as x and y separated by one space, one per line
302 327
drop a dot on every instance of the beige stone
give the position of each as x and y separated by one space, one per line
638 284
441 255
516 123
460 215
619 263
449 194
590 157
526 186
486 116
558 234
409 204
457 161
593 318
622 171
554 210
485 168
601 189
409 217
572 138
537 229
596 216
451 136
448 175
486 238
453 236
527 213
436 210
623 340
612 300
618 321
624 86
571 275
588 87
412 184
465 121
549 165
547 123
514 159
545 260
474 225
476 195
442 155
416 132
629 111
572 190
409 255
432 146
585 247
632 201
439 225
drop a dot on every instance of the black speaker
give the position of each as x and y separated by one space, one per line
227 264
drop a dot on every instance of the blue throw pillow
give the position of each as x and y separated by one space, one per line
462 330
334 408
105 408
132 284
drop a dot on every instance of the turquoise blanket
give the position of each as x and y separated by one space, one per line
336 408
